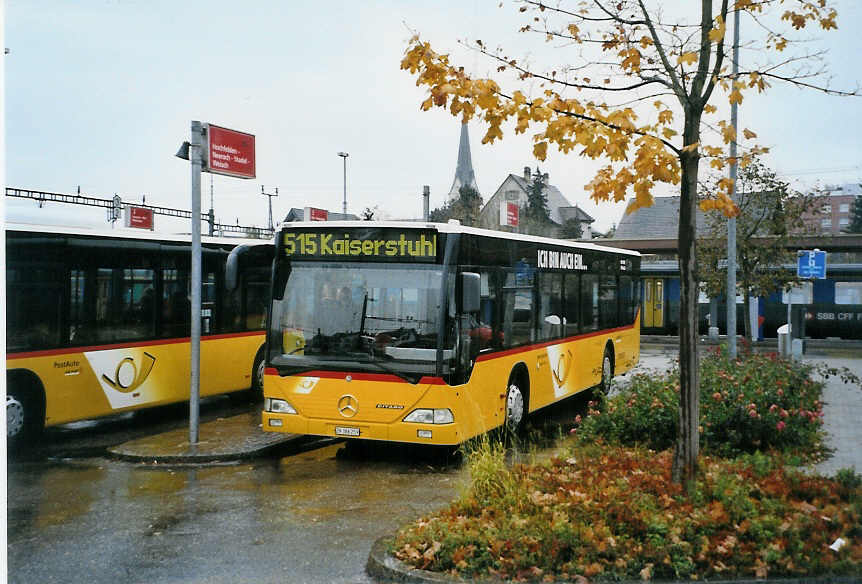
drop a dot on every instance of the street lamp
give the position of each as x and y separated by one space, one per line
344 155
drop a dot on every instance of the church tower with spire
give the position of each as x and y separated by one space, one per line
464 175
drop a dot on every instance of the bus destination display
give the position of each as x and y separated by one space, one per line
361 245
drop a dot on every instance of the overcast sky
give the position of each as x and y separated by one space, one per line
100 94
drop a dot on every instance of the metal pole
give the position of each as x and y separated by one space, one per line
731 223
212 208
426 202
344 156
195 388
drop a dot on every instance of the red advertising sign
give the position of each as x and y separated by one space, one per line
313 214
230 152
139 217
512 214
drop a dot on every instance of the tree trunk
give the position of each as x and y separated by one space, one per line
688 439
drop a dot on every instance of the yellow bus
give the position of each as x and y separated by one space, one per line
435 333
99 323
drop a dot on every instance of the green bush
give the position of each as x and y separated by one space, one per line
756 402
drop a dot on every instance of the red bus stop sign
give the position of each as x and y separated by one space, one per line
230 152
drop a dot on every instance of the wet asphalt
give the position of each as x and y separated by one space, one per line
306 515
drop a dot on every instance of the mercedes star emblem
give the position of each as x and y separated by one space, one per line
348 406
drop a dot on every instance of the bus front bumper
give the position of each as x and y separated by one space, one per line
439 434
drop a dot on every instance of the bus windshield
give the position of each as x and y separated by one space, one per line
359 316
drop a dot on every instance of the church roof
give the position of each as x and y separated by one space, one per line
464 175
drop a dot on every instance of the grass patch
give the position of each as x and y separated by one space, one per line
612 513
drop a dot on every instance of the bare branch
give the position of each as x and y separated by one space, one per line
528 73
719 57
675 83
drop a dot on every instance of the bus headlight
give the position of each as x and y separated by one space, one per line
277 406
428 416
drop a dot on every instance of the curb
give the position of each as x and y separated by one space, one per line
383 567
297 443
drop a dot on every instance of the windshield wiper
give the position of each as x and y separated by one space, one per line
410 378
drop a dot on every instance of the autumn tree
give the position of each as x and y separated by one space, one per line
634 90
855 225
770 219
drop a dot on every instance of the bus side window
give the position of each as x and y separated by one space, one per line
608 302
572 300
551 318
486 329
628 298
175 306
589 302
125 303
32 307
231 313
518 310
256 300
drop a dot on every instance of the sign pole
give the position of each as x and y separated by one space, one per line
731 223
195 388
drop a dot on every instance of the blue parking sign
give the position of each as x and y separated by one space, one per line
811 264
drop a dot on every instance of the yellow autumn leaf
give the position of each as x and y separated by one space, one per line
690 147
687 58
710 109
728 133
632 60
540 150
717 163
781 43
668 133
735 97
717 34
748 134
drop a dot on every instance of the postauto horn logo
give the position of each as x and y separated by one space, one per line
128 376
125 376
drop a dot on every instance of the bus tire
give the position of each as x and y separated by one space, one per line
257 370
517 400
25 409
607 370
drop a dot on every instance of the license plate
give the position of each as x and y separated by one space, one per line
346 431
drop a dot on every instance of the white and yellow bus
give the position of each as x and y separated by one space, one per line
99 323
435 333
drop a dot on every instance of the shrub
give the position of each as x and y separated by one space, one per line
613 513
758 402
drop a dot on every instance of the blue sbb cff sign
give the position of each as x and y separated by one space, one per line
811 264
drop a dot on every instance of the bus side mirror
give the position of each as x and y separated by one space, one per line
471 285
231 269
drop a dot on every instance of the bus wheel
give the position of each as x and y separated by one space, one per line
257 375
515 407
607 371
14 417
24 419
